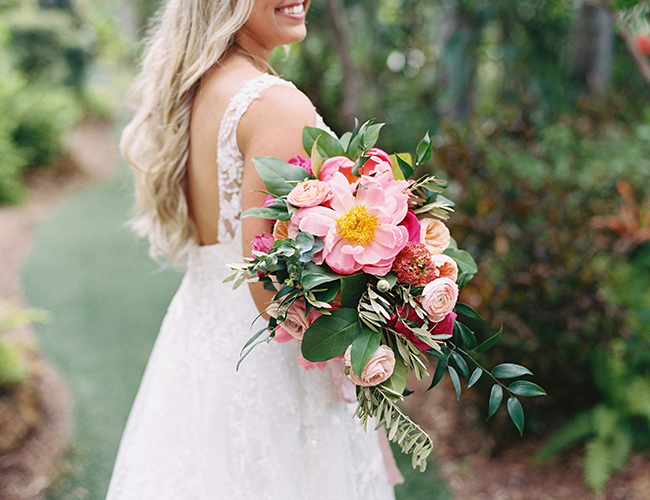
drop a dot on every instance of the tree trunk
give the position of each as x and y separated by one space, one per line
353 79
593 46
460 35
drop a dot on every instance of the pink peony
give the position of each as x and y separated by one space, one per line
412 224
439 298
309 193
435 235
378 369
334 165
302 162
446 267
361 228
263 242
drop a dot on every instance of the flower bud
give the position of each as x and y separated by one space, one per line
383 285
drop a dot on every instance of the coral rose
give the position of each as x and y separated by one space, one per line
378 369
439 298
309 193
435 235
446 267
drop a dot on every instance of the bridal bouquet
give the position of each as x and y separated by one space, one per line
366 272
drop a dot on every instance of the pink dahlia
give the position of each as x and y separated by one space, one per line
361 226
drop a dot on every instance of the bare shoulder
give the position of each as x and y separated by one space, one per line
281 111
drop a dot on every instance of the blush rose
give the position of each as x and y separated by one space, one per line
435 235
309 193
378 369
439 298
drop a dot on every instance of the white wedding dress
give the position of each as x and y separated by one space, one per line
199 429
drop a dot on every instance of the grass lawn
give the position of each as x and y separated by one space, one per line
108 300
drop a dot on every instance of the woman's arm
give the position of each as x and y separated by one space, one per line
272 126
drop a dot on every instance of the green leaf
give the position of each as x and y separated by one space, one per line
441 367
406 169
424 150
496 396
597 467
460 363
275 212
397 381
467 311
455 380
516 413
314 275
316 159
476 375
525 388
327 146
466 334
364 346
279 176
464 260
345 140
352 288
368 138
330 335
510 370
327 291
489 342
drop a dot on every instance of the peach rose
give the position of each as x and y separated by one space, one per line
435 235
446 267
309 193
378 369
439 298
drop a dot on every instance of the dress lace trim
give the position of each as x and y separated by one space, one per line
230 161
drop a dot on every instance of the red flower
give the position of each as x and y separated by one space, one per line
444 327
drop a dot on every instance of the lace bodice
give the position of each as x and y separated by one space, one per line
230 161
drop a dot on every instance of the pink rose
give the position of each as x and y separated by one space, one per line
412 225
263 242
378 369
296 323
446 267
309 193
299 161
435 235
336 164
439 298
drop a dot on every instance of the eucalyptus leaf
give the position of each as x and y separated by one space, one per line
329 336
516 413
496 396
510 370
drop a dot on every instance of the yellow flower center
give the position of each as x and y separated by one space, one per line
357 225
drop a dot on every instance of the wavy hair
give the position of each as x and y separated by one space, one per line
188 37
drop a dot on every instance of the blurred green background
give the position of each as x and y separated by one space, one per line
540 121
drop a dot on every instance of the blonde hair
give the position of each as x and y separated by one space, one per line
187 39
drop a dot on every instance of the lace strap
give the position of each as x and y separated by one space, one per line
230 161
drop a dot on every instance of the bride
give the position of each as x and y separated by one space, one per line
200 429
